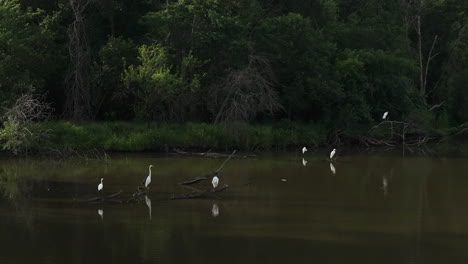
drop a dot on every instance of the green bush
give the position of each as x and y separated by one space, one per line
135 136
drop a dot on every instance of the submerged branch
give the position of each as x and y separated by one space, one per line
210 193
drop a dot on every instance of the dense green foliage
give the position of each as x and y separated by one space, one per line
336 63
131 136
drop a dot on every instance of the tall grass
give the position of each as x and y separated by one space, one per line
134 136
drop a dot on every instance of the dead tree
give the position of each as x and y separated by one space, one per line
245 93
78 104
424 69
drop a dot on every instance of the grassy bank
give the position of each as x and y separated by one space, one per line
132 136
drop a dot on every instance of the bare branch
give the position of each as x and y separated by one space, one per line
429 58
245 93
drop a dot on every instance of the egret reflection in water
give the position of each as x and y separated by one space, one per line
101 214
385 185
304 162
148 203
308 217
332 168
215 210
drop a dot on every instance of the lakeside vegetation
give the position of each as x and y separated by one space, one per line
132 136
163 137
250 74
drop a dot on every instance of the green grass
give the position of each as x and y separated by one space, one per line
134 136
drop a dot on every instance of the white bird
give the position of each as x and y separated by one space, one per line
100 187
385 115
332 168
304 149
215 210
332 153
304 162
215 181
148 178
148 203
101 213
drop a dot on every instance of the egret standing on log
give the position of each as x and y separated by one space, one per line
332 154
215 181
384 115
304 149
148 178
100 187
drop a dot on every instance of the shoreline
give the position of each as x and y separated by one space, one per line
120 136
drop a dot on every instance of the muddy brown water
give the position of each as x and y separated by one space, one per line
374 207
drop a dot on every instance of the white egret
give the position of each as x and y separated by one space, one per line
148 178
304 149
215 210
148 203
100 187
332 168
384 115
332 153
304 162
215 181
101 213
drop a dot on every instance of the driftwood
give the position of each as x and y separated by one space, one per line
407 134
198 179
209 154
210 175
136 196
109 198
197 193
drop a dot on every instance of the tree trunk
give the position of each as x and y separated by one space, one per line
422 88
78 106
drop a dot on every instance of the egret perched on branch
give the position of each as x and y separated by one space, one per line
215 181
384 115
304 149
148 178
332 153
100 187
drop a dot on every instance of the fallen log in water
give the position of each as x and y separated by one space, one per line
210 175
194 180
210 193
136 197
210 154
109 198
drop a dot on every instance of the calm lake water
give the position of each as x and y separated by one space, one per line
374 207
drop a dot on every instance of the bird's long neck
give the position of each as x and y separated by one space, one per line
149 172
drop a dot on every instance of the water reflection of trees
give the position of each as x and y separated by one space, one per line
423 196
12 186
